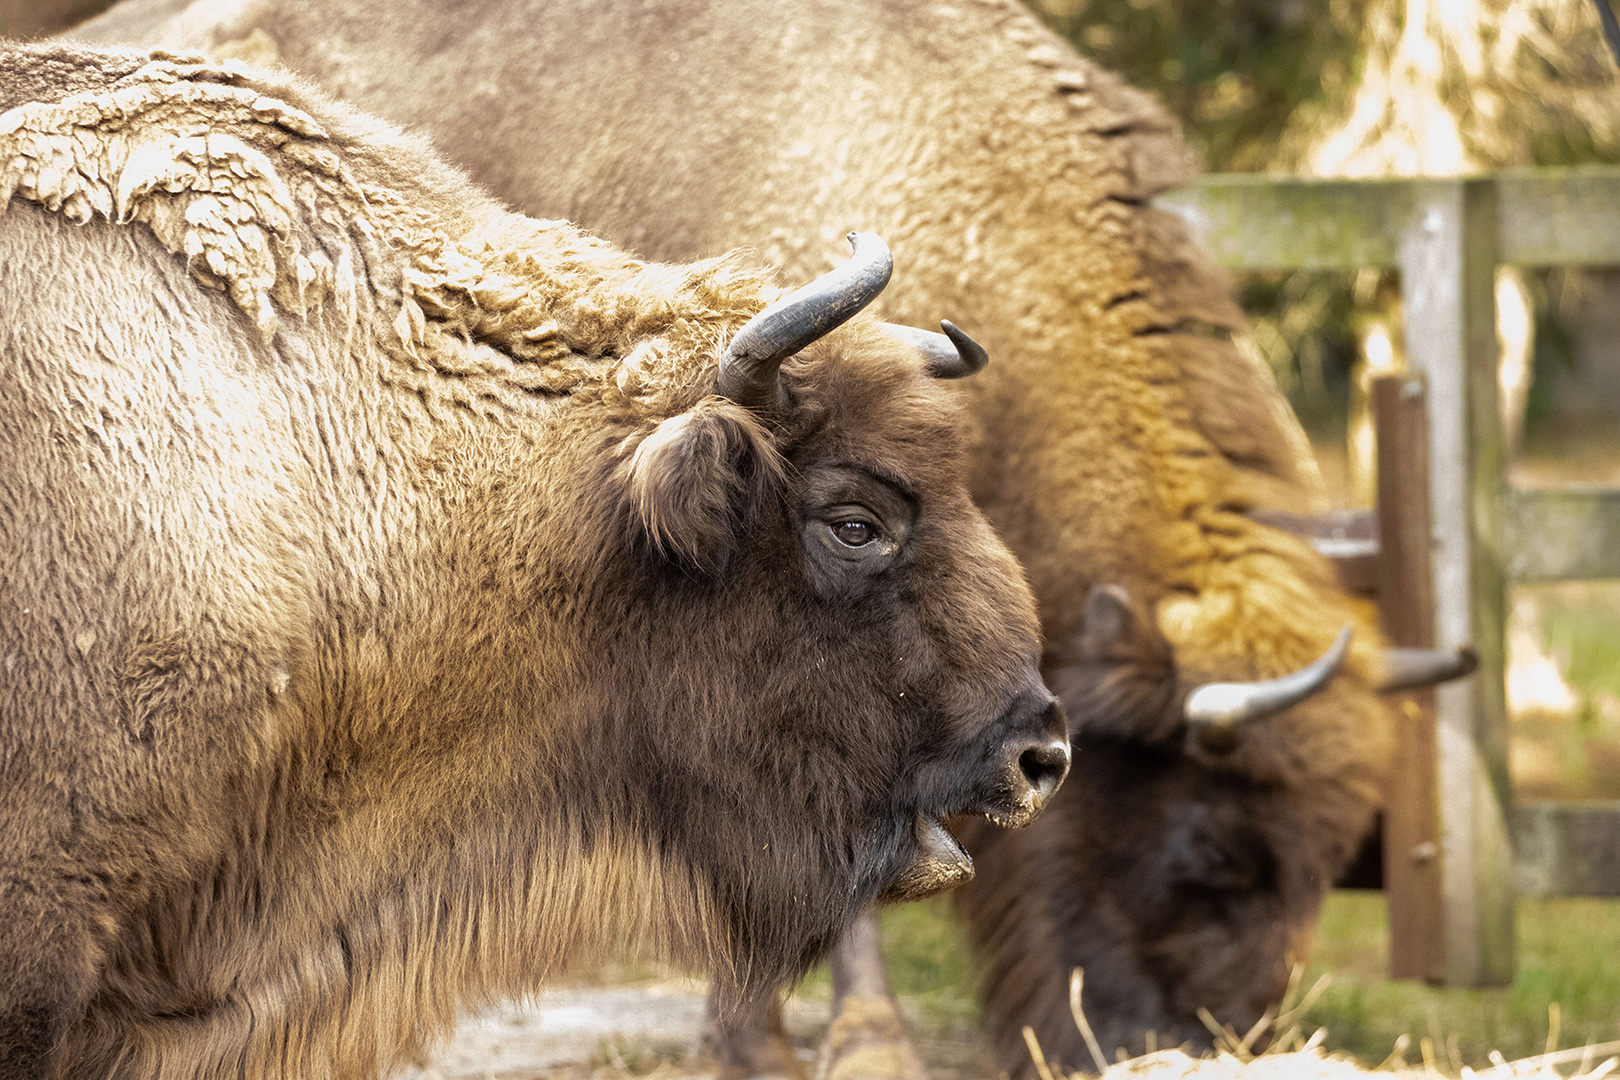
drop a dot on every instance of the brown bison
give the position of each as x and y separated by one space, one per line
1122 442
403 597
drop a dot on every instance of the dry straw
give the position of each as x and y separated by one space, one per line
1289 1054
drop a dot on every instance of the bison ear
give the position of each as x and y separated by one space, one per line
1117 677
686 480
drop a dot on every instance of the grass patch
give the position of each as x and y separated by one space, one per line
1579 622
929 965
1569 954
1575 756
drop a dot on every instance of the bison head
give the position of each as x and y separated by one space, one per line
807 530
1185 866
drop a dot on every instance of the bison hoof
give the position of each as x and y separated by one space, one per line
867 1041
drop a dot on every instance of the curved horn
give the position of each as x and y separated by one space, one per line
951 355
1217 710
748 368
1413 669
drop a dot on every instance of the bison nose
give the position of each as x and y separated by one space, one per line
1036 759
1044 767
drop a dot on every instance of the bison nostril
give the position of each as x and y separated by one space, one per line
1045 767
1033 759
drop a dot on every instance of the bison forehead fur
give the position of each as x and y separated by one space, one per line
388 614
1120 437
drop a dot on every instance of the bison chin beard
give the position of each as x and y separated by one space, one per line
904 858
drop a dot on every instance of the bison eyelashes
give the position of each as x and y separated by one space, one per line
852 537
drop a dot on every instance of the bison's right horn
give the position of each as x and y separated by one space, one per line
1217 710
1413 669
951 355
748 368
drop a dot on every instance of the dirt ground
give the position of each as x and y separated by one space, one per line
652 1028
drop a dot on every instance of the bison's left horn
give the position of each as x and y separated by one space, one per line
1413 669
748 368
951 355
1217 710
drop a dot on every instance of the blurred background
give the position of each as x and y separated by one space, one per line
1368 88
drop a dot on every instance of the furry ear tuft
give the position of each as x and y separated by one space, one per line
1117 676
685 479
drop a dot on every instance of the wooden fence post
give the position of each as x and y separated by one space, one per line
1406 606
1447 236
1447 257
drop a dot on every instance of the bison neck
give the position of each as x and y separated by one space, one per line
303 963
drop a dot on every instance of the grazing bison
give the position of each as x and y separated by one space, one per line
402 597
1122 441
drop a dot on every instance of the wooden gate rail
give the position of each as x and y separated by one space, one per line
1544 217
1447 237
1562 534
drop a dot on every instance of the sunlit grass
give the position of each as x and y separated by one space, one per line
1568 953
929 965
1576 754
1581 622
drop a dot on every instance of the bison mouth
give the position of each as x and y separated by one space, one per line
938 862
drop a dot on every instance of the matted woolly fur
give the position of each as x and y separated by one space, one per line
275 208
511 307
379 572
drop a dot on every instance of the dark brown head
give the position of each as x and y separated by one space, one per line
1186 862
824 650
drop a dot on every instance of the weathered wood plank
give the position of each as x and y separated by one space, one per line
1293 223
1553 217
1563 534
1561 849
1543 217
1412 866
1448 261
1568 849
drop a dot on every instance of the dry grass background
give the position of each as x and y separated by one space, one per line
1285 1045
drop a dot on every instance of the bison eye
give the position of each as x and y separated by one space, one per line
853 527
854 533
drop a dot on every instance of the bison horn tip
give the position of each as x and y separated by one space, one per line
1217 710
951 355
1414 669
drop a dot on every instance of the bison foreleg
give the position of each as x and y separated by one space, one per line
751 1043
867 1039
